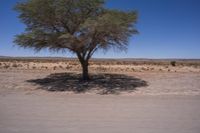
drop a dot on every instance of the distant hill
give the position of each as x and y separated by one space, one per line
99 59
119 59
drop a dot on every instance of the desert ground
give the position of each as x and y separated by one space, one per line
143 96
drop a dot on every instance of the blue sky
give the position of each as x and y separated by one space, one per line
168 29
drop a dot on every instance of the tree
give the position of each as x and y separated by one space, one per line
79 26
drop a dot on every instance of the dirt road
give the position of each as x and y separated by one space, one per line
168 104
61 113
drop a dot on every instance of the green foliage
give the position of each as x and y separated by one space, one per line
76 25
80 26
173 63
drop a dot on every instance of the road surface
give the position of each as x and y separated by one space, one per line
82 113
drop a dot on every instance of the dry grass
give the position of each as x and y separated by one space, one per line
101 65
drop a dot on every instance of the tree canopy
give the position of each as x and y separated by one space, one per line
80 26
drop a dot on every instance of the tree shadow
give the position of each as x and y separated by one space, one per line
101 83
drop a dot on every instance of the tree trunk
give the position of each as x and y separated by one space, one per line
84 65
85 75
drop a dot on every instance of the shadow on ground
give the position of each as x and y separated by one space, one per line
101 83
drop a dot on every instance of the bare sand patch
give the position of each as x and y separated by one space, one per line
141 83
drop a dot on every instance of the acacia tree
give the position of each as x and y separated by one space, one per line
79 26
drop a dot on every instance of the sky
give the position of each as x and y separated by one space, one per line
167 29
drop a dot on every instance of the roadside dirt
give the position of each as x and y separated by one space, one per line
143 102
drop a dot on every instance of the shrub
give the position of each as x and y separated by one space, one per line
14 65
68 67
173 63
55 67
6 66
61 67
19 65
44 67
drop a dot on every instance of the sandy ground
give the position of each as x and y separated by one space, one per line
158 83
59 113
168 104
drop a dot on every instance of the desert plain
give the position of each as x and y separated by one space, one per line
46 95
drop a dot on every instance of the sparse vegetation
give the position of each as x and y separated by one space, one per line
55 67
173 63
68 67
44 67
6 66
61 67
14 65
101 65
